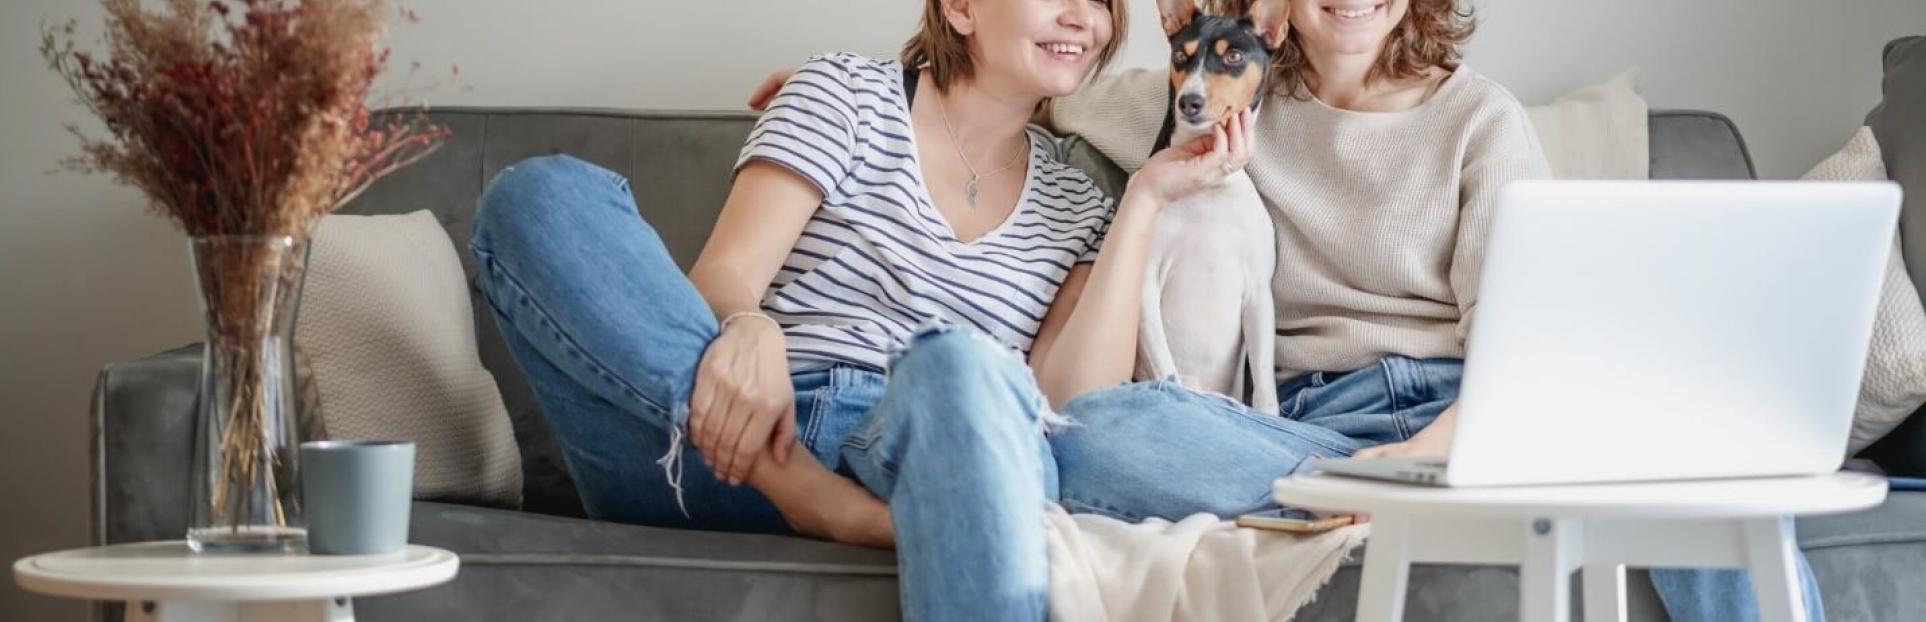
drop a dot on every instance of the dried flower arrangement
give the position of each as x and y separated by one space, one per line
243 122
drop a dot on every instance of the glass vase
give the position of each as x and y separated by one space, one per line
246 496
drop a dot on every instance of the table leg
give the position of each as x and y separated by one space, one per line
336 610
1387 565
1775 570
1545 577
1604 593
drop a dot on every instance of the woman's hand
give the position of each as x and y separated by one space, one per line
759 98
743 396
1434 441
1179 170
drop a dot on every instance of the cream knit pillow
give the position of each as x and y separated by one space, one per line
386 323
1895 383
1597 132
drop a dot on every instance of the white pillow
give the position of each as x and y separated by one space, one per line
1597 132
1895 383
386 323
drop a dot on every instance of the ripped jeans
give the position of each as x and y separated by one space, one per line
608 332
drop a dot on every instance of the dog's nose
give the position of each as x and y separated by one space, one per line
1191 105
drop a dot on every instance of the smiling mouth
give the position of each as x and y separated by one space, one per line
1354 13
1067 52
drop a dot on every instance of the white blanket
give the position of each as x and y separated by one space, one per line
1199 568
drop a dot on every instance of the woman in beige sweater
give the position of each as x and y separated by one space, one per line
1380 158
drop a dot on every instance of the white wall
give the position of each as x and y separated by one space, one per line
85 278
89 278
1796 75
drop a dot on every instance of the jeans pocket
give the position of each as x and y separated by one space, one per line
836 419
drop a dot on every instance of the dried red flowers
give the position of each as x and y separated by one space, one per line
242 117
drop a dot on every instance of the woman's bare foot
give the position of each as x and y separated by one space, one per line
821 504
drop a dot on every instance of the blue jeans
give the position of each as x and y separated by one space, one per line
1155 449
608 332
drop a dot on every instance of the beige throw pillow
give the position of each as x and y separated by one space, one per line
385 322
1597 132
1895 383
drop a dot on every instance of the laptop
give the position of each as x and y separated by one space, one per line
1640 331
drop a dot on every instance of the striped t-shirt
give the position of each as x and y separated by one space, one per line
877 260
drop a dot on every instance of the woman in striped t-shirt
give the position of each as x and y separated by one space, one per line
886 217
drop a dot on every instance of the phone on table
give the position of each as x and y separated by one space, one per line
1294 521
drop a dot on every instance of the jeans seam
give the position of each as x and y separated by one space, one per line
1392 393
1084 506
569 341
822 395
1232 408
1336 451
484 260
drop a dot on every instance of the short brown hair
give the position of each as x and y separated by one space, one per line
937 48
1432 34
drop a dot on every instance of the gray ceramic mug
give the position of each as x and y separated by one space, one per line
356 494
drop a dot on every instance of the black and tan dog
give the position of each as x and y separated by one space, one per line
1207 311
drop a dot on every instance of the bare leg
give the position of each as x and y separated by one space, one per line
822 504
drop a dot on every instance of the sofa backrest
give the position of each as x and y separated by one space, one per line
678 164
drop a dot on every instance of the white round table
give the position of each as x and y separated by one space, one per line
166 582
1552 531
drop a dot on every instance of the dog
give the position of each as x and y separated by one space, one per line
1208 318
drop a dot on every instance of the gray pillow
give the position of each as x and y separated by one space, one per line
1900 125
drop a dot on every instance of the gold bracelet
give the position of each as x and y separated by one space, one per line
742 314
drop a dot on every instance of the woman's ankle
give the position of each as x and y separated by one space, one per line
821 504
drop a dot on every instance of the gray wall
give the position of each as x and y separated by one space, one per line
90 278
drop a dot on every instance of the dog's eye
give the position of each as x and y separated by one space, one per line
1234 58
1178 58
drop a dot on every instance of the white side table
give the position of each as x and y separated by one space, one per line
1551 531
165 582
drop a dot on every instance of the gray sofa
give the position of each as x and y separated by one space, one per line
543 562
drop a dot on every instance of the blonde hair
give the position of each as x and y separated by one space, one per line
945 55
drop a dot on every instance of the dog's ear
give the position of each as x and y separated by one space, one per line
1177 14
1273 20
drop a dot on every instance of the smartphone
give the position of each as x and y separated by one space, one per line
1293 521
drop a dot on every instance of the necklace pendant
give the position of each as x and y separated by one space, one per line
969 190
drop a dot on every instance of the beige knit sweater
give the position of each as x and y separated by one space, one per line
1381 217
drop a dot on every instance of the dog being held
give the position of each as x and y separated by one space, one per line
1207 315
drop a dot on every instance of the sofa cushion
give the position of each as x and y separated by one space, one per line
523 566
1871 565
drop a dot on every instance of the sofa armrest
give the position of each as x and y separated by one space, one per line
143 446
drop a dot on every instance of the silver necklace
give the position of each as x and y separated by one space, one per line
969 190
